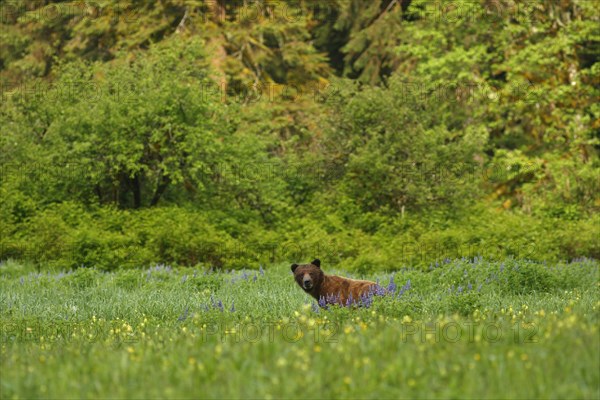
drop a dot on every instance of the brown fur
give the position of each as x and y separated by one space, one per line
334 289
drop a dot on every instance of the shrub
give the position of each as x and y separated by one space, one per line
83 278
528 278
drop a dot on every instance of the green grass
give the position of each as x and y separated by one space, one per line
465 329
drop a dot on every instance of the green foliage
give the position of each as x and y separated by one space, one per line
213 133
464 303
372 32
403 159
530 278
82 278
128 279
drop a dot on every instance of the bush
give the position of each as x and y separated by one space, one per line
464 303
83 278
128 279
528 278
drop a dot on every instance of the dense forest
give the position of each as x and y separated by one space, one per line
229 134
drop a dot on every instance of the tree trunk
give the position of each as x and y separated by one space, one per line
137 191
160 189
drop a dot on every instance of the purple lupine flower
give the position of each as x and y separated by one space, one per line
183 317
220 306
333 298
379 290
22 280
392 285
469 286
447 260
261 270
366 300
460 289
244 275
315 307
322 301
363 302
254 278
184 279
404 288
232 309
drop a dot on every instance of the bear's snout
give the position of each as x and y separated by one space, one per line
307 283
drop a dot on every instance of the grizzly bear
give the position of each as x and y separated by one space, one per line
331 289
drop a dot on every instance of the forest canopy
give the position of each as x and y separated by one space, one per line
380 134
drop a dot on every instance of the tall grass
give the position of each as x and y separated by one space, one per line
466 328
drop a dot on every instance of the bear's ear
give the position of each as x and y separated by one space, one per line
316 262
294 266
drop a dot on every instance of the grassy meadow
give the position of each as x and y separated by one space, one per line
467 328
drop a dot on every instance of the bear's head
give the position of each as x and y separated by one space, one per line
308 276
